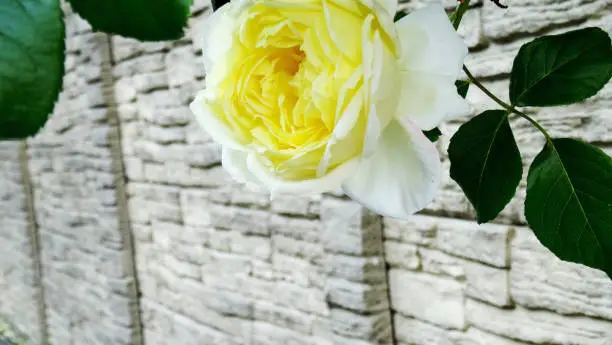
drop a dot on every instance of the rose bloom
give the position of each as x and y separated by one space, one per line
307 96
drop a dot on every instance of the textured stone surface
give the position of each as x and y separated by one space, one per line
539 327
539 280
434 299
75 165
223 265
489 284
19 285
531 16
413 331
486 243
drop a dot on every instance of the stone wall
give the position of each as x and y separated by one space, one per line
145 240
87 258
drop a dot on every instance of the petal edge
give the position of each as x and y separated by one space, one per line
402 177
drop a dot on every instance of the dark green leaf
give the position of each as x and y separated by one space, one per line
399 15
217 4
31 64
561 69
146 20
486 162
433 134
569 202
462 87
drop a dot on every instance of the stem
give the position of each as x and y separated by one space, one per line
456 19
458 14
508 107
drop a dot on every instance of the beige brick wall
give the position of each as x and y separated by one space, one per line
129 193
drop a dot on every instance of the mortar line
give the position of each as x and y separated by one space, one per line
34 236
120 180
387 267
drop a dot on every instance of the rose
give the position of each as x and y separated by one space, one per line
307 96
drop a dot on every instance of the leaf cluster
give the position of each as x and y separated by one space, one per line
569 184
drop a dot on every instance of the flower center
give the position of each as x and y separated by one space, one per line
295 74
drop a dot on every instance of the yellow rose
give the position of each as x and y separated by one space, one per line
307 96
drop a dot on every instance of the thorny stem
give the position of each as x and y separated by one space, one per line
508 107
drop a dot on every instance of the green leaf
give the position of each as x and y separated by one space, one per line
31 64
216 4
145 20
486 162
399 15
569 202
561 69
433 134
462 87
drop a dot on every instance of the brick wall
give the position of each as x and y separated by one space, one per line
87 261
145 240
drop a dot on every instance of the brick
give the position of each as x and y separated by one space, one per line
182 268
488 284
285 317
218 263
418 229
363 298
310 300
526 16
188 332
296 271
486 243
435 261
437 300
310 251
413 331
538 279
264 333
356 269
294 205
375 327
402 255
300 229
535 326
249 198
348 228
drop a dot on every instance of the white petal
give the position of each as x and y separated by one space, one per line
208 120
428 99
372 133
432 55
429 43
215 36
349 116
402 177
235 163
332 181
389 5
386 80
